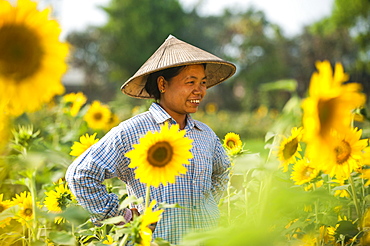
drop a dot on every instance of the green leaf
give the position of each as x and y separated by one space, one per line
285 84
130 200
75 214
62 237
86 233
113 220
342 187
9 212
269 135
166 205
160 242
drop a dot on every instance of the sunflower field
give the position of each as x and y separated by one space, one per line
307 185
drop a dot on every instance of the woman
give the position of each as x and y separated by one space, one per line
177 76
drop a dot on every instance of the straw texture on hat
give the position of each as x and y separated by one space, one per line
172 53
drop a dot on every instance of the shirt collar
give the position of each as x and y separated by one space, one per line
160 116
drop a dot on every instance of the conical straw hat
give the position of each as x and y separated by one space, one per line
172 53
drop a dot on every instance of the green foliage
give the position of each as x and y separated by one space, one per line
344 38
244 36
134 31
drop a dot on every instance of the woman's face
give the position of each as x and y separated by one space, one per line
184 92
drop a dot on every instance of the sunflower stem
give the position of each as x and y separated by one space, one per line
124 240
147 196
32 187
246 194
228 201
354 197
316 206
271 150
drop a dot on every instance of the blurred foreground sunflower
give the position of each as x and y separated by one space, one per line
160 156
329 106
85 142
32 59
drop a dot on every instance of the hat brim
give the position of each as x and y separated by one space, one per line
174 53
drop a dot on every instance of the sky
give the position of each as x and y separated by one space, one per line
290 15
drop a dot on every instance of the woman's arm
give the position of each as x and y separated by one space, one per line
86 174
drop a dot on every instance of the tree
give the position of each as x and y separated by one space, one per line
135 30
86 55
261 54
348 28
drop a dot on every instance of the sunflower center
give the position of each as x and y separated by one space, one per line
98 116
290 148
21 52
63 200
307 172
231 144
160 154
343 152
27 212
325 112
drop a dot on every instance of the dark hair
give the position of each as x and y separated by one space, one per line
151 84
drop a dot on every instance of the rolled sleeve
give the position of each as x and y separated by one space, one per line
86 174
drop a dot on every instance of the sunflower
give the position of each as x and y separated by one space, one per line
24 201
58 199
365 174
303 172
326 234
313 186
32 59
211 108
160 156
4 204
85 142
98 116
149 217
366 156
74 102
109 240
113 121
308 239
345 154
289 148
341 192
329 106
232 143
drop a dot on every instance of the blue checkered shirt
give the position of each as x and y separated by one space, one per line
198 191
